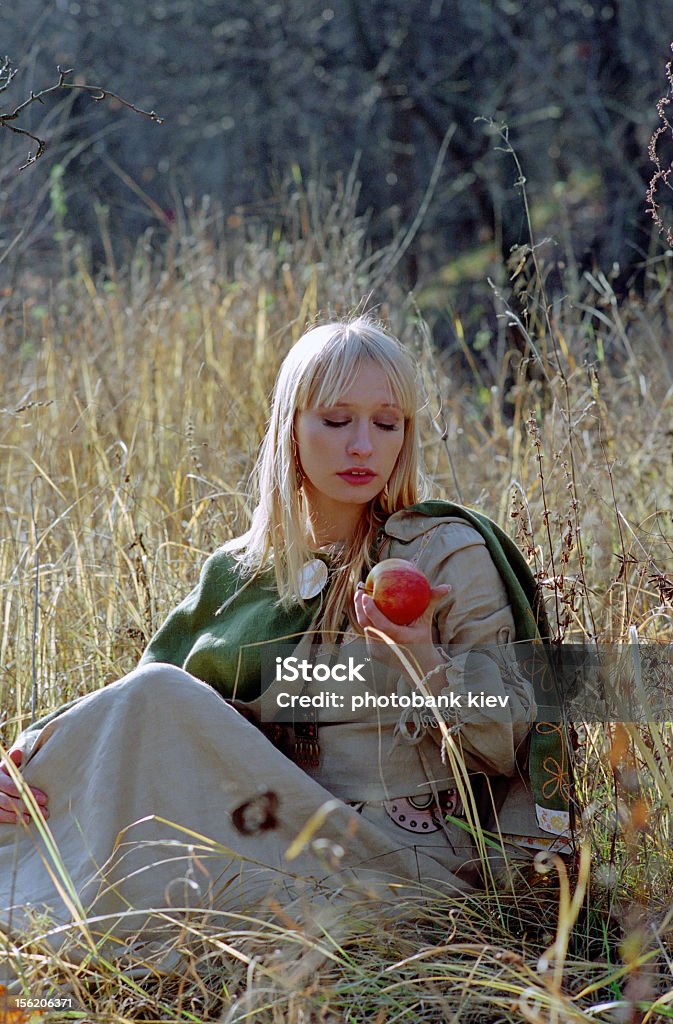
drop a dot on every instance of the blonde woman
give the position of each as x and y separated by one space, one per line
162 792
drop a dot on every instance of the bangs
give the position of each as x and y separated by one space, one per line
336 365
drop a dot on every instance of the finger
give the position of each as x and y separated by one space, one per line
12 808
14 816
376 618
437 595
15 756
9 788
367 614
40 798
360 616
374 615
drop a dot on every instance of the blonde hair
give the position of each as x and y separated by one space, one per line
318 369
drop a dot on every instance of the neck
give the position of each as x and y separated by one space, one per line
336 528
322 536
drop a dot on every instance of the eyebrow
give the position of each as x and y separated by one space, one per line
350 405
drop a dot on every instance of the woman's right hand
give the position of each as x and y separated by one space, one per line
12 807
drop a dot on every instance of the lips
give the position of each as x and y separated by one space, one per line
357 476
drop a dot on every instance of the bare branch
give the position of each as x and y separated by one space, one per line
96 93
41 144
7 73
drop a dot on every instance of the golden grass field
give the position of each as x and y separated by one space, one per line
133 403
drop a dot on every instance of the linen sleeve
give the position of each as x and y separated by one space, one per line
473 630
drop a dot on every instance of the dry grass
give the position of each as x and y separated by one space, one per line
133 407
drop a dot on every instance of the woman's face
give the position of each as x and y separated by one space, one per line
348 451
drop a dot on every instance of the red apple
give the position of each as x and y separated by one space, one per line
399 589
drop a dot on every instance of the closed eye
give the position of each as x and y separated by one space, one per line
344 423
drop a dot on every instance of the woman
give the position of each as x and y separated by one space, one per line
161 793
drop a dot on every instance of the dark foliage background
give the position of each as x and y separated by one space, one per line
254 91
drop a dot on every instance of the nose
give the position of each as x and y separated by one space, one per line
360 440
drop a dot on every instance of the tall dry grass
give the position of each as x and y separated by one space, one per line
133 405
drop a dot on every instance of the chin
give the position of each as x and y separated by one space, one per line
361 496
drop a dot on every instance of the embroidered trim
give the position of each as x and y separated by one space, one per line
423 814
435 671
561 844
556 822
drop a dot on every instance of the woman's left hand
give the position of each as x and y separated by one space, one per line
417 635
417 632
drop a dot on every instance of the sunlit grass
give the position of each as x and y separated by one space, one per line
133 405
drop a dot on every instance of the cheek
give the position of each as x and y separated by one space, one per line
313 443
395 450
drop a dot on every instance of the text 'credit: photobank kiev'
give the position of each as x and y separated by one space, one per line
357 702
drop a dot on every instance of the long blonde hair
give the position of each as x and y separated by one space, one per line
318 369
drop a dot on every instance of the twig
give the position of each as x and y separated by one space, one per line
7 73
399 252
662 174
534 431
439 421
622 544
96 93
36 605
520 183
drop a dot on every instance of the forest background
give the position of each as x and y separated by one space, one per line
252 91
475 173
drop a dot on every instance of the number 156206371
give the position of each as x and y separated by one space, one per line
23 1009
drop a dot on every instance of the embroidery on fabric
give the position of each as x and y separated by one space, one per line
423 813
259 814
556 774
550 820
559 844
